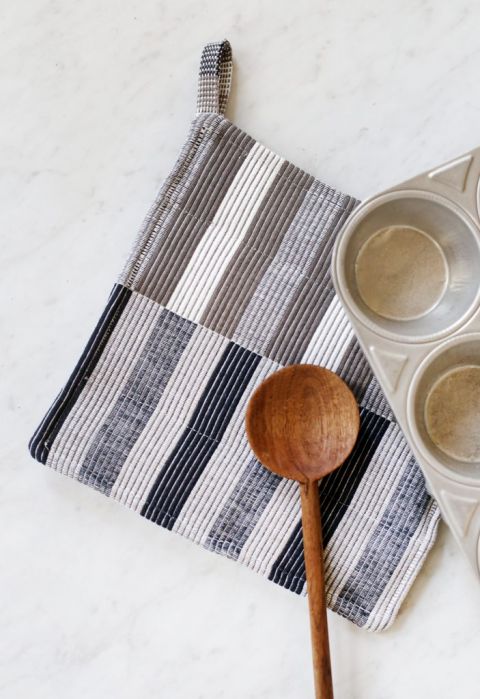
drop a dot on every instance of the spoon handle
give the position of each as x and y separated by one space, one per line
313 550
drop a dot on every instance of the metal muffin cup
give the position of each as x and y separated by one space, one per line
408 265
443 408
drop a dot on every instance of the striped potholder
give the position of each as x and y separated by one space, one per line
228 281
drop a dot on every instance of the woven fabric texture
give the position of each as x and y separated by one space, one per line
228 281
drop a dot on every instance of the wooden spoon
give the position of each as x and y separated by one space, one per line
302 423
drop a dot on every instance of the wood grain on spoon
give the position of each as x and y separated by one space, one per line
302 423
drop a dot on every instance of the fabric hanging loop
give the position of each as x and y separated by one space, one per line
215 78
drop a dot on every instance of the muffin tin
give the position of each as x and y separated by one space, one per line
406 267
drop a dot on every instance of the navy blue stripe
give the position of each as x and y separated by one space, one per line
48 429
202 435
336 493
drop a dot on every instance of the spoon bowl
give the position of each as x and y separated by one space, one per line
302 422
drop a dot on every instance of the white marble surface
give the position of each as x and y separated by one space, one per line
96 99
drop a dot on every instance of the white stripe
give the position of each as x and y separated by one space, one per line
334 329
273 529
224 235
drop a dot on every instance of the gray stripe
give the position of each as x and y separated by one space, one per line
271 298
262 240
281 259
297 324
285 198
136 403
203 194
165 209
314 293
242 510
281 279
239 283
386 547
